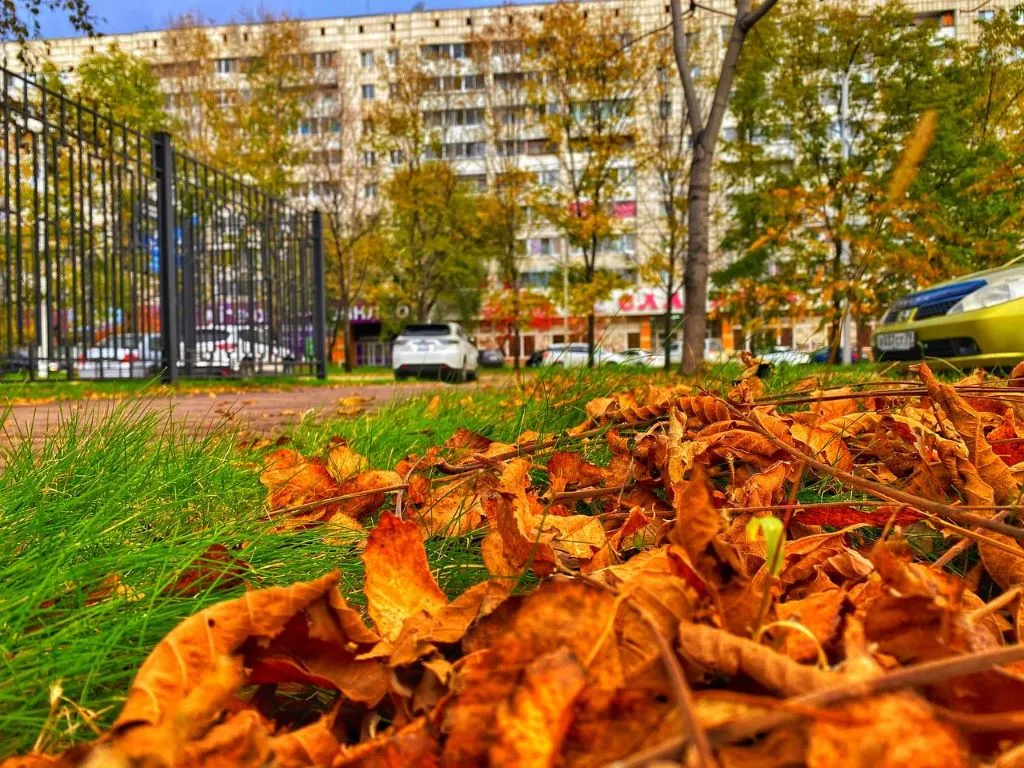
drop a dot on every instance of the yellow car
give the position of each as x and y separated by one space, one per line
973 321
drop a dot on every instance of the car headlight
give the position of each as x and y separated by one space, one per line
993 294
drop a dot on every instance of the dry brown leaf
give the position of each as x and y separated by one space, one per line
532 723
723 653
398 579
969 424
343 462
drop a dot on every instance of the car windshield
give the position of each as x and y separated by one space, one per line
426 330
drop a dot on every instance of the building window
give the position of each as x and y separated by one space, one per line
543 246
665 109
396 157
367 91
986 15
366 59
453 51
323 60
548 178
370 191
477 181
392 57
369 158
225 66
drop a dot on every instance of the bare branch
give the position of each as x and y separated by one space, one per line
683 64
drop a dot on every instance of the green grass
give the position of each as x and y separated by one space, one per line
135 498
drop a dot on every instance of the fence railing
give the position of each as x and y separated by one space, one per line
122 257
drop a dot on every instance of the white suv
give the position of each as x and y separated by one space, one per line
437 350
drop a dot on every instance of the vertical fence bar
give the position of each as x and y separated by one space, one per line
163 161
319 299
188 290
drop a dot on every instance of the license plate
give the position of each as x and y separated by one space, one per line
423 347
895 342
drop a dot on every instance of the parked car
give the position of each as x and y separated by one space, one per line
575 356
973 321
638 356
437 350
780 355
122 356
239 350
491 358
17 362
712 353
821 355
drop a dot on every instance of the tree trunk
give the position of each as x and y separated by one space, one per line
698 255
350 348
666 341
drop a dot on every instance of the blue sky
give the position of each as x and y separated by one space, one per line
137 15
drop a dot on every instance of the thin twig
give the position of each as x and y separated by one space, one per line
884 491
681 689
962 546
996 604
926 673
538 445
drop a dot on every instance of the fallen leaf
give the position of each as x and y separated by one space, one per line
398 578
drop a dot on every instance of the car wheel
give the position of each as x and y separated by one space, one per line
401 376
471 375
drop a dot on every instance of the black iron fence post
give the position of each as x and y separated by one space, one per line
163 161
319 299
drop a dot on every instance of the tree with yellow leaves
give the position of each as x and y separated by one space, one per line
588 69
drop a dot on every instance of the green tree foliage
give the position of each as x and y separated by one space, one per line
123 86
974 172
438 236
794 197
436 250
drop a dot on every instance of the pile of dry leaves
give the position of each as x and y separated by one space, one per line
690 606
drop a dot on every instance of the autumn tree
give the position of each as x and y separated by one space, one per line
824 108
499 56
663 157
240 100
344 174
123 86
19 19
705 127
587 69
436 246
975 166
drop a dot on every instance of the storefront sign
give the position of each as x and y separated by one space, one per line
638 302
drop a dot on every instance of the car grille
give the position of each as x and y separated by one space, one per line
936 309
961 346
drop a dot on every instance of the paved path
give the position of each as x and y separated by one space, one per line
260 412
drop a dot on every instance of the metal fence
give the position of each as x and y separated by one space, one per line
124 258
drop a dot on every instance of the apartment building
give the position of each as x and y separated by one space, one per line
351 57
